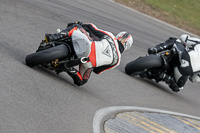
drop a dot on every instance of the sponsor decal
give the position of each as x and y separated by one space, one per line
107 51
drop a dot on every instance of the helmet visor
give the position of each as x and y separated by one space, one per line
124 39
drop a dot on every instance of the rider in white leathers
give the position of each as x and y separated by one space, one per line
189 65
104 52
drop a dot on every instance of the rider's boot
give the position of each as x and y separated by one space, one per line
146 74
175 87
171 82
75 76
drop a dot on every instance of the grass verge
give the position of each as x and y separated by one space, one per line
184 14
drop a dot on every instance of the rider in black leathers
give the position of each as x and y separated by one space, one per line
189 64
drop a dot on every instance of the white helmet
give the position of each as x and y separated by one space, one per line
126 39
188 41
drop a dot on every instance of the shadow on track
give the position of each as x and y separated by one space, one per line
52 74
153 83
64 78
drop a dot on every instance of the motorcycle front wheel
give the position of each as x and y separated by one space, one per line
137 66
47 55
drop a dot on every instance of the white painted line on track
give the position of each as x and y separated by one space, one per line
104 114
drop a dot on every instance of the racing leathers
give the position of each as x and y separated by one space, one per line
188 66
105 51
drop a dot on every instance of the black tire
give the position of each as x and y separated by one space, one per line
140 64
47 55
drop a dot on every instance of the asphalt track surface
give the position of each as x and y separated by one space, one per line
36 100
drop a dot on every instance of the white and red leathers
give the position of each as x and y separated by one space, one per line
104 52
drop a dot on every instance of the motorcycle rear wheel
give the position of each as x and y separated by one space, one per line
137 66
47 55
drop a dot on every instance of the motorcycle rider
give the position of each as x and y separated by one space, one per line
189 64
105 50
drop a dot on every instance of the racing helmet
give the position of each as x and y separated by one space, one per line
188 41
126 39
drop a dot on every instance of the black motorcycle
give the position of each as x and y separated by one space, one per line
152 66
61 54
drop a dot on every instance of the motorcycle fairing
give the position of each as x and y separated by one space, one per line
81 44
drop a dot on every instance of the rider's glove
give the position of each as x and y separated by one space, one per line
56 36
152 51
77 22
